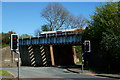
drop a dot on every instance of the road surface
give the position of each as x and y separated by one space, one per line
47 72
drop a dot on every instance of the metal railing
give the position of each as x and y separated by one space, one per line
51 39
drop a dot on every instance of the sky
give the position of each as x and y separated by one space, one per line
59 0
25 18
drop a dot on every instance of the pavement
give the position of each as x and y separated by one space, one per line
87 72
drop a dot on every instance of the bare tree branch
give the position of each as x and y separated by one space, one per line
58 17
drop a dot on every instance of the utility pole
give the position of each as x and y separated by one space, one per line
18 64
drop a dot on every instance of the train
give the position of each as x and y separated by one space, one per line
61 32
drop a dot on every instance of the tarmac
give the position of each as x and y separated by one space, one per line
86 72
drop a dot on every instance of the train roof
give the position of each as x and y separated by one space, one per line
48 32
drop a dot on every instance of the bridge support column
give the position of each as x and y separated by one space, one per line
74 55
52 55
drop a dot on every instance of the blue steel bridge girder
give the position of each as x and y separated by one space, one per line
53 40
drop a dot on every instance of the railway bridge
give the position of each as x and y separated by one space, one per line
49 50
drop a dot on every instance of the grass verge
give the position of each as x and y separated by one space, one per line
79 63
5 73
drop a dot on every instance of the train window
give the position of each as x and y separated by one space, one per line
69 33
59 33
43 35
50 34
63 33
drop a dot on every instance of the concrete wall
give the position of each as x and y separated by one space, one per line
7 58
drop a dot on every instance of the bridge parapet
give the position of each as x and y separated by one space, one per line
54 40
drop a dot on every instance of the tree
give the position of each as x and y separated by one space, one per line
78 22
58 17
105 33
6 38
24 36
37 32
45 28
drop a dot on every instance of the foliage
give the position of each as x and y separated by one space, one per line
45 28
6 38
79 63
24 36
79 52
104 33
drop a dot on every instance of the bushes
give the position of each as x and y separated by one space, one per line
6 38
104 34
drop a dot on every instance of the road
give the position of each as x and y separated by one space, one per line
47 72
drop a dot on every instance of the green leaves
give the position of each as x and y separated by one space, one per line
105 33
45 28
6 38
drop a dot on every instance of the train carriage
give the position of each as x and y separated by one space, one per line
61 33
